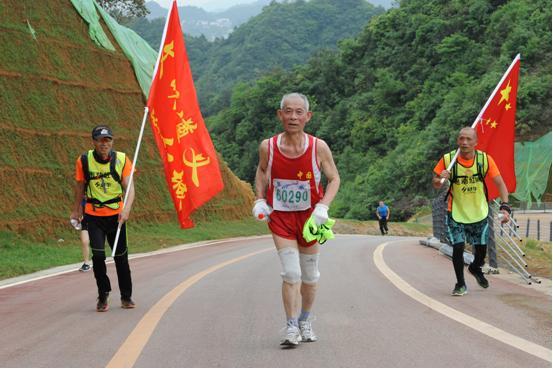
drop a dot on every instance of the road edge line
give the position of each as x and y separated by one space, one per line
460 317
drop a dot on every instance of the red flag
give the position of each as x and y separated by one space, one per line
496 128
189 158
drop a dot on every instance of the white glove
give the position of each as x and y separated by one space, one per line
261 210
320 214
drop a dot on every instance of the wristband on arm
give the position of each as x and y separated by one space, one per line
505 206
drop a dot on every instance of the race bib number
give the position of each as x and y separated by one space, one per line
291 195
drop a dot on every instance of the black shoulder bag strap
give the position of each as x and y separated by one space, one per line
112 164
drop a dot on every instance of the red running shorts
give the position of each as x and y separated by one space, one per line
289 225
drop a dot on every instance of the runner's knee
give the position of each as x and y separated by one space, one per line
309 264
290 261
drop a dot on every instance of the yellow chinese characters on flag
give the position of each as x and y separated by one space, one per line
190 161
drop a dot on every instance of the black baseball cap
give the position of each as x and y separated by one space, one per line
101 132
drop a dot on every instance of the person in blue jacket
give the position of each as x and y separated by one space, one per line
383 215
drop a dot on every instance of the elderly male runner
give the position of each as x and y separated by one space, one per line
288 192
467 211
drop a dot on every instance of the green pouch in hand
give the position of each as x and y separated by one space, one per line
321 233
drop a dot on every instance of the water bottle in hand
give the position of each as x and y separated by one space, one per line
76 224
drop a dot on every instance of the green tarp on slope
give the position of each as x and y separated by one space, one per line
142 57
87 10
532 166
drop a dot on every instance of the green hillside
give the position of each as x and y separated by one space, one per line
283 35
390 101
55 85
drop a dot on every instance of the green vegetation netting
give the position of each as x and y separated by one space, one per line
88 12
139 53
533 162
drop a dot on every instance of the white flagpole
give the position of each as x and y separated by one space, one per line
141 132
129 185
479 117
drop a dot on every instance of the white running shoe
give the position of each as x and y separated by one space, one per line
292 336
307 334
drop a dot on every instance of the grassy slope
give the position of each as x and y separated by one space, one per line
21 255
53 90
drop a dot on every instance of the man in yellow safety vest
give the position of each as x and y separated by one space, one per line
467 211
101 177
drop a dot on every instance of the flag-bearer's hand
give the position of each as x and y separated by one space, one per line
445 174
124 215
320 214
261 210
505 212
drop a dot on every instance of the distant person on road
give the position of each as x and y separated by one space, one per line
101 176
467 210
289 191
383 215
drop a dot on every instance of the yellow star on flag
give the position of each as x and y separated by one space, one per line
505 93
507 106
494 124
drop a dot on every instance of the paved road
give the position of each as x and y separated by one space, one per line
219 305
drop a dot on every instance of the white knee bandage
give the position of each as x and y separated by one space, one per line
290 261
309 265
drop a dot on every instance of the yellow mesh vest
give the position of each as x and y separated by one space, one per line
102 186
469 203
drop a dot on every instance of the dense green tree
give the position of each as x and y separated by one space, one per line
124 10
390 101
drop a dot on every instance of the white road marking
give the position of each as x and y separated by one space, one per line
478 325
130 350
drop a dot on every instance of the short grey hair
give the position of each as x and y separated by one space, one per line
295 94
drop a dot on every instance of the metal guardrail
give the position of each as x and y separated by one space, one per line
506 243
537 229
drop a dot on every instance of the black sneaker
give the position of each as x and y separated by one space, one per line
477 273
127 303
103 302
84 268
459 290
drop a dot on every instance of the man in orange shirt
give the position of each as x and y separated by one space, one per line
467 212
101 176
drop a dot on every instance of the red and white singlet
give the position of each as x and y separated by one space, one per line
294 183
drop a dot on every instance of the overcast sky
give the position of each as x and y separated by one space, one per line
206 4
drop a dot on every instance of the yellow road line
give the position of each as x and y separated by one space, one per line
129 351
478 325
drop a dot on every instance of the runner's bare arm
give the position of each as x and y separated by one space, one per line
503 194
437 180
500 184
330 171
261 172
77 211
124 216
